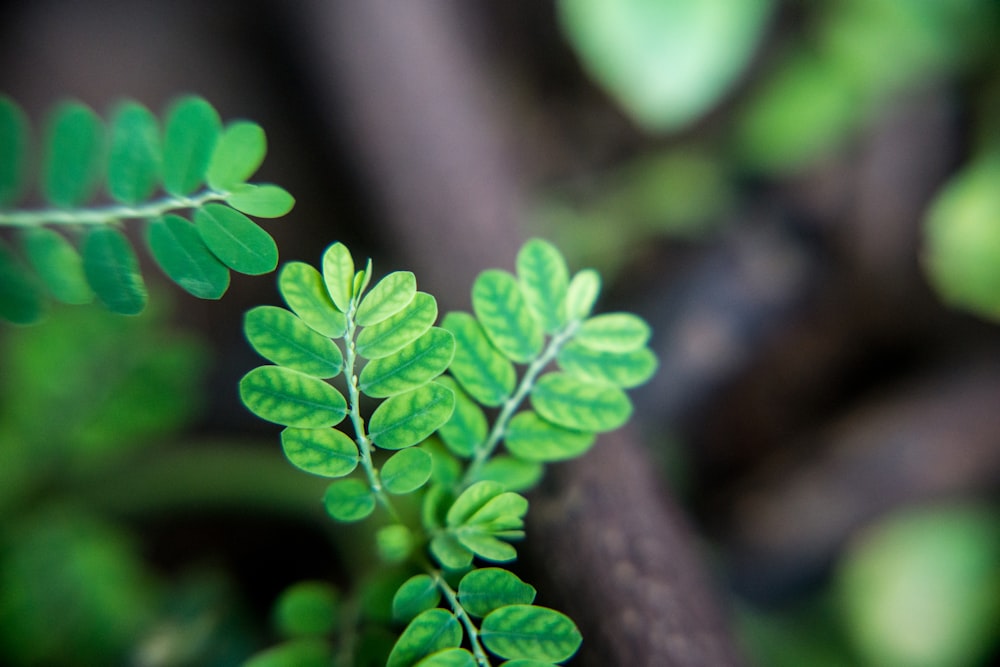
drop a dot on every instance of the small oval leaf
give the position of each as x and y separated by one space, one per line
338 274
304 291
418 593
262 201
182 254
531 633
307 609
191 131
15 141
486 589
290 398
406 471
500 306
582 294
281 337
544 279
531 438
237 155
389 296
399 330
486 546
613 332
621 369
57 263
480 368
74 151
321 451
349 500
416 364
136 156
112 271
430 632
236 240
407 419
582 406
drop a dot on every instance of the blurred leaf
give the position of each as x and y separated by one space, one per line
304 291
262 201
407 419
418 593
14 144
238 154
57 263
449 657
448 551
466 429
484 590
191 131
182 254
430 631
136 155
291 398
399 330
281 337
478 366
21 299
236 240
112 270
544 279
413 366
394 543
514 474
349 500
582 294
320 451
529 632
406 470
579 405
74 153
294 653
307 609
531 438
502 311
614 332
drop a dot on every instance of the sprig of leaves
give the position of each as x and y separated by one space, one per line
440 449
74 247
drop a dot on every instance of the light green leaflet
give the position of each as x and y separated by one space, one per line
622 369
431 631
409 418
448 551
397 331
502 311
394 543
449 657
281 337
531 438
182 254
582 294
529 632
236 240
321 451
466 430
57 263
349 500
613 332
338 273
305 292
237 156
301 652
388 297
112 271
136 155
416 594
480 542
74 154
483 590
479 367
291 398
416 364
406 471
575 404
263 201
544 280
14 142
307 609
192 129
471 501
513 473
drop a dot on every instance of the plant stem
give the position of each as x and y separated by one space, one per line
102 215
471 630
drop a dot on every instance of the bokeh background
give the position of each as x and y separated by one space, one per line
801 196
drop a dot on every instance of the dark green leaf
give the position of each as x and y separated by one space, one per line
238 154
57 263
544 279
450 657
191 132
431 631
479 367
74 152
112 271
397 331
321 451
307 609
290 398
236 239
406 470
135 157
579 405
418 593
448 551
21 299
338 274
262 201
513 473
407 419
413 366
500 306
531 438
529 632
14 145
281 337
295 653
486 589
622 369
471 501
613 332
582 294
304 291
486 546
389 296
181 253
349 500
466 430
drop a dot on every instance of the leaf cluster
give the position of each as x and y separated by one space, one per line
74 249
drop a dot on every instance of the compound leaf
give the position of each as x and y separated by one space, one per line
531 438
264 201
479 367
281 337
338 273
406 471
418 593
583 406
514 474
349 500
430 632
14 145
191 131
326 452
486 546
528 632
112 270
237 155
21 299
450 657
471 501
448 551
485 589
413 366
236 240
466 429
304 291
613 332
388 297
544 279
622 369
135 156
57 263
500 306
182 254
582 294
73 153
397 331
290 398
409 418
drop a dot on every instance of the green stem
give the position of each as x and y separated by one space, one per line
471 630
102 215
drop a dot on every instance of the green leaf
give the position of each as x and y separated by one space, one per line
394 543
471 501
290 398
362 278
544 279
582 294
503 313
338 273
394 333
136 156
437 501
112 271
466 430
407 419
57 263
500 512
14 145
531 438
281 337
349 500
295 653
237 155
326 452
622 369
431 631
413 366
262 201
613 332
406 471
486 546
483 590
236 239
450 657
21 299
191 131
667 62
445 468
513 473
304 291
389 296
74 152
181 253
479 367
307 609
448 551
582 406
418 593
531 633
